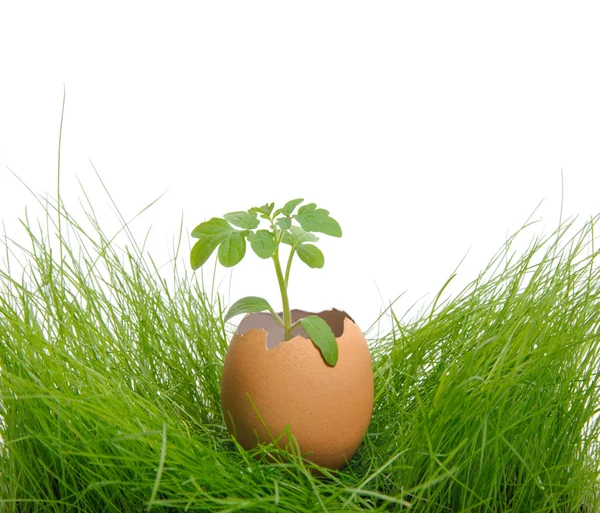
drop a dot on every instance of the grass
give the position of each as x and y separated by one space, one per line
110 389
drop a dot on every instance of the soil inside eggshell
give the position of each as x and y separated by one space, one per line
274 332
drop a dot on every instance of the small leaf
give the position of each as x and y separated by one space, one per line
322 336
284 223
263 243
319 221
311 255
243 219
289 207
296 236
264 211
249 304
214 226
267 208
309 207
232 249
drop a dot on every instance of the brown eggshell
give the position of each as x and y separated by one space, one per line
328 409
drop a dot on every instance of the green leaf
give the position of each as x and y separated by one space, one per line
309 207
322 336
289 207
262 211
263 243
284 223
202 250
209 234
311 255
296 236
318 220
249 304
243 219
214 226
232 249
267 208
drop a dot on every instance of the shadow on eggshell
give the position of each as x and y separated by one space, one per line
274 332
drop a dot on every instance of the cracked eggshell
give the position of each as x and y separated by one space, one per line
328 409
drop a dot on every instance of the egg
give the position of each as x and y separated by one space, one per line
270 385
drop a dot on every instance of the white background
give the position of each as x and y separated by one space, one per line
429 130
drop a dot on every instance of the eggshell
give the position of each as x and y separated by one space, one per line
269 384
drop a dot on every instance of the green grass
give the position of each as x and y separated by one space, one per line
110 385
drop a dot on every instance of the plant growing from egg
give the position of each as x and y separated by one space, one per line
223 233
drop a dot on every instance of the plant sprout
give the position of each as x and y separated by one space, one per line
220 232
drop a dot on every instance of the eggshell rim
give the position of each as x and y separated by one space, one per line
266 333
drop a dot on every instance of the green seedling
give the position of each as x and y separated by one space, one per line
222 233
